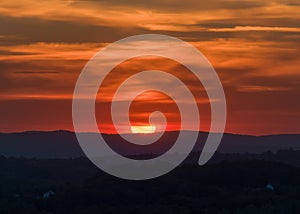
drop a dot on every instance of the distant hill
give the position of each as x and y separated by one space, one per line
63 144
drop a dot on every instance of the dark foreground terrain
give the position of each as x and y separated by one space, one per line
229 184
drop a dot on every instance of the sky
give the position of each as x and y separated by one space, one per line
254 47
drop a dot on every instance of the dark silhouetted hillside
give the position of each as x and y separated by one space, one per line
63 144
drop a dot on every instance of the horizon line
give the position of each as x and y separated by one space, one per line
105 133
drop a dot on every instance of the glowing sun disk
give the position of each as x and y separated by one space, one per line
143 129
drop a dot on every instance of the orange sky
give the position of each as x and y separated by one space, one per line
253 45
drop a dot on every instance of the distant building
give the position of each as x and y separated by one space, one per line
270 187
48 194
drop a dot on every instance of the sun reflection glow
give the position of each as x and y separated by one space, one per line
143 129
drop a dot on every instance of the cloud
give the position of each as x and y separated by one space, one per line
49 51
253 45
259 88
154 15
255 28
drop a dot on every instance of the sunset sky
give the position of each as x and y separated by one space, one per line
254 47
